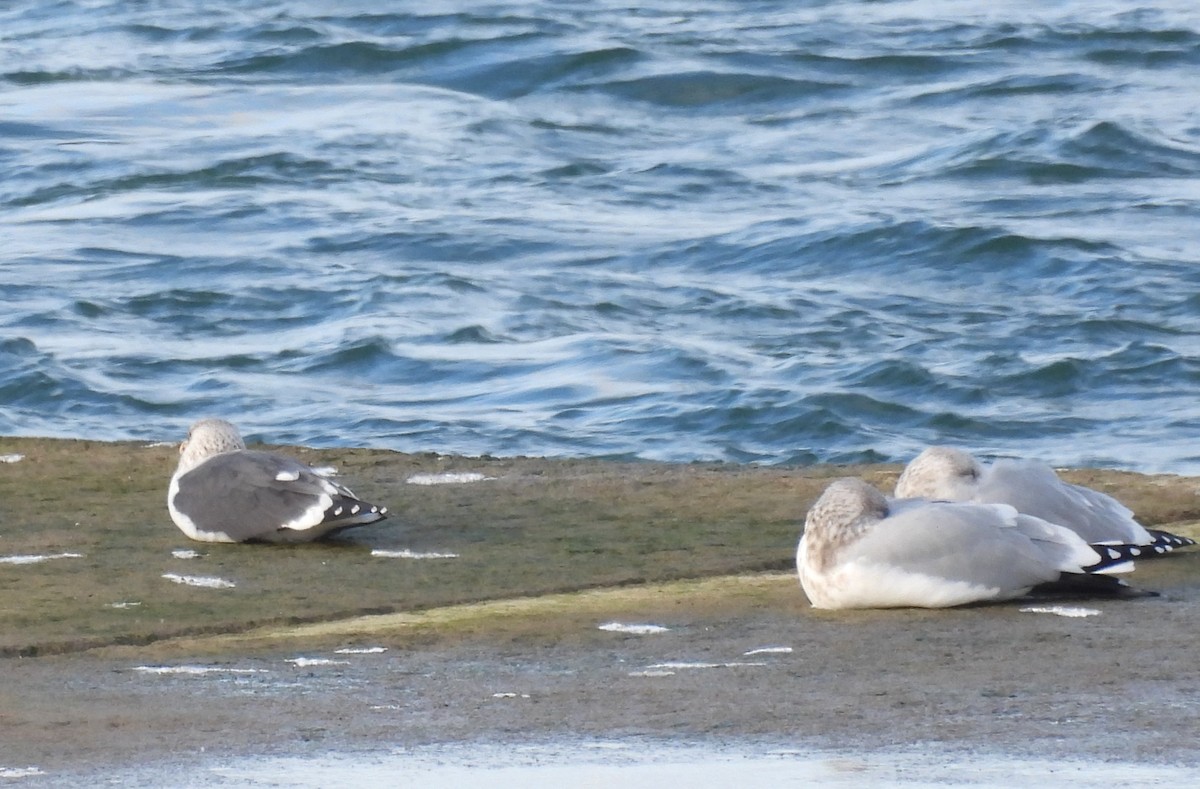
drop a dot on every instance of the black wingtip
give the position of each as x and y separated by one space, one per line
1168 541
1112 556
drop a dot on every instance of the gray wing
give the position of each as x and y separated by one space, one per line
982 544
258 496
1034 489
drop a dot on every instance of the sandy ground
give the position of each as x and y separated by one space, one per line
470 652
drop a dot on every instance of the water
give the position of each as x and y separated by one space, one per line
744 231
647 765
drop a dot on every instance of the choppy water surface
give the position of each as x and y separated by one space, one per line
769 231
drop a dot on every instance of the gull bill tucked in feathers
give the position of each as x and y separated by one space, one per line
950 474
862 550
223 492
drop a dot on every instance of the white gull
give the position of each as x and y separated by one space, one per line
950 474
222 492
862 550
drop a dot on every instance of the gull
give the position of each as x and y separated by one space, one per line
223 492
862 550
1034 489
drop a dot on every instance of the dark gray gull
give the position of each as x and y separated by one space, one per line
223 492
863 550
1034 489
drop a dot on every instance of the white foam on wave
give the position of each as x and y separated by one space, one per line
407 554
35 558
1076 612
360 650
638 630
447 478
204 581
769 651
186 553
20 772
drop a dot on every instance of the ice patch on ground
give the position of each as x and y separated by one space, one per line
35 558
197 670
123 604
638 630
360 650
305 662
186 553
205 581
407 554
14 457
446 478
673 665
1061 610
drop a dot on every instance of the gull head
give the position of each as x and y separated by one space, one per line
848 508
940 473
206 438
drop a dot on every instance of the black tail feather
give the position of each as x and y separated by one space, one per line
1088 585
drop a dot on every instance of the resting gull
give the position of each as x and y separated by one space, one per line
223 492
862 550
1034 489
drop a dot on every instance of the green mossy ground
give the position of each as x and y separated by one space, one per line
534 527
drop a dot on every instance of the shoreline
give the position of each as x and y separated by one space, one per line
502 642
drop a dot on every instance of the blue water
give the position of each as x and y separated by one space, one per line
770 232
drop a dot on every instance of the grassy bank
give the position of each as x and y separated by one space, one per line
532 527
